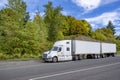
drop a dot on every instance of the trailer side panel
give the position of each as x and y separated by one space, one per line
87 47
108 48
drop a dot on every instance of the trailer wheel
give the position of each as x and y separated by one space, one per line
101 56
96 56
113 55
79 57
76 58
54 59
104 56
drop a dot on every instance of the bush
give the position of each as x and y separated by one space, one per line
118 46
98 36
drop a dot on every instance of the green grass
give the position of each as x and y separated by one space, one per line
19 56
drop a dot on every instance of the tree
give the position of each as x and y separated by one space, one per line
65 26
107 34
19 7
98 36
54 21
42 30
118 37
111 26
76 27
106 31
42 27
8 30
87 27
18 37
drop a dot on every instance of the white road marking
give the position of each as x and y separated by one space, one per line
59 74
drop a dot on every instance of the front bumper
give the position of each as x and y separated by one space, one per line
47 59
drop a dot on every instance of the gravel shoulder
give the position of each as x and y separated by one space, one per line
19 63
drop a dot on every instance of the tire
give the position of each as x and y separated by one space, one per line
89 56
75 58
104 56
79 57
93 56
113 55
96 56
101 55
54 59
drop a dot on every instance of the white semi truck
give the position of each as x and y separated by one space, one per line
77 49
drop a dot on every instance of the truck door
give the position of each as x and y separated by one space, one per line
67 52
61 55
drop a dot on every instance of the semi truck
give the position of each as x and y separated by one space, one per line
66 50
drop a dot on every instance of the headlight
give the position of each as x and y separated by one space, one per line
49 56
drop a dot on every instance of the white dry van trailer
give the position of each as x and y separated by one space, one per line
77 49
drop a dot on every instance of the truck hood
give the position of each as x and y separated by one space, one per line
50 52
47 52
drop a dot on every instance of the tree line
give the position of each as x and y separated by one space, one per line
21 37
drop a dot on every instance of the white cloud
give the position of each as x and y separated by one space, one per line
66 13
89 5
105 17
108 1
102 20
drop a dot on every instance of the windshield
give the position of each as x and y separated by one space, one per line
54 48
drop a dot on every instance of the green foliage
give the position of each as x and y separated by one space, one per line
18 37
104 32
54 21
118 45
8 29
42 31
76 27
19 8
118 37
110 26
98 36
65 29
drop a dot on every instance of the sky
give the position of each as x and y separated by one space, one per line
96 12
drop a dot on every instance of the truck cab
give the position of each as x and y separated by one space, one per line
61 51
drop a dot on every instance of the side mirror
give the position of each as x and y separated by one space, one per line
59 50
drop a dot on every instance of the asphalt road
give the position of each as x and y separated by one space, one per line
89 69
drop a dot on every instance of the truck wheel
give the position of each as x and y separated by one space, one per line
75 58
54 59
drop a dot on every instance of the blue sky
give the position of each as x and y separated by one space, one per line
96 12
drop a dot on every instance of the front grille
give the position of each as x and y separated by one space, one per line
44 55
